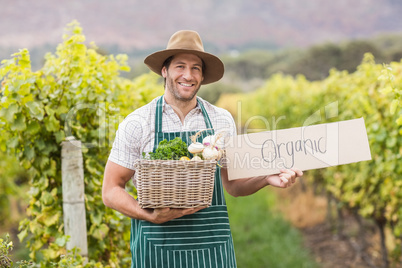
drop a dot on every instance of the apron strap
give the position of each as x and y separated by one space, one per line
158 118
208 123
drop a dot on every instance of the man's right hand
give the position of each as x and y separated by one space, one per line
162 215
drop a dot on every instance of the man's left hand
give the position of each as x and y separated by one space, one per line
285 179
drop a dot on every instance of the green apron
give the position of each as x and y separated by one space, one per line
202 239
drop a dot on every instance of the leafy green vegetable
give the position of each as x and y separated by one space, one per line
170 150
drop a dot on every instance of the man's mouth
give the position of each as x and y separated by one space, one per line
186 85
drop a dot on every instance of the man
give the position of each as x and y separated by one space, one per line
167 237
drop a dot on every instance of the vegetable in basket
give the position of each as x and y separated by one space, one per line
169 150
211 147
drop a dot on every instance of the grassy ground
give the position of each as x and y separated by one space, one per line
263 238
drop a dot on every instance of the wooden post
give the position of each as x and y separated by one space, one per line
73 195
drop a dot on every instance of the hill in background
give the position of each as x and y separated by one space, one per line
127 25
255 38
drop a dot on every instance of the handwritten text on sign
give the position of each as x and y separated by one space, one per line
309 147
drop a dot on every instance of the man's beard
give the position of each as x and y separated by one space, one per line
175 92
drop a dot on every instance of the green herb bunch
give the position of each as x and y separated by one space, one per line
169 150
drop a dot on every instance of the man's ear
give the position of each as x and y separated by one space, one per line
164 72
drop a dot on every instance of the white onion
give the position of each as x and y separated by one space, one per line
196 148
210 153
196 158
208 140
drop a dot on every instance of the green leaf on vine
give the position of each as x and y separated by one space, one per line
29 152
13 142
8 113
33 127
19 123
51 123
61 241
47 198
49 219
40 144
100 232
23 234
35 110
96 218
60 135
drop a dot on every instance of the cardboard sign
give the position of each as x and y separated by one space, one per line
309 147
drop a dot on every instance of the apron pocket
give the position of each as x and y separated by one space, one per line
213 256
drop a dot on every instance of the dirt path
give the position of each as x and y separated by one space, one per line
308 213
333 251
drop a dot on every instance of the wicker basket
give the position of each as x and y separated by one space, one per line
174 183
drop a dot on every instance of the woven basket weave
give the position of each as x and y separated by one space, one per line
174 183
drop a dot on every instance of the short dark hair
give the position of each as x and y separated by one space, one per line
167 62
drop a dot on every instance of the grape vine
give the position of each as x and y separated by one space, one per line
79 93
373 188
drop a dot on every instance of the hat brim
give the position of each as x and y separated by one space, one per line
214 67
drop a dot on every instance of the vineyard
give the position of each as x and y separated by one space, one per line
371 189
79 92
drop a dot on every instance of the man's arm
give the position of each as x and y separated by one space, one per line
115 196
248 186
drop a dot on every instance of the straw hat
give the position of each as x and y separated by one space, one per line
187 42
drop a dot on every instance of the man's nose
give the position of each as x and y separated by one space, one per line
187 74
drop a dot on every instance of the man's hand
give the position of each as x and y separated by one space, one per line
248 186
285 179
162 215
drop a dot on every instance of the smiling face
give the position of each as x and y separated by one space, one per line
183 77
